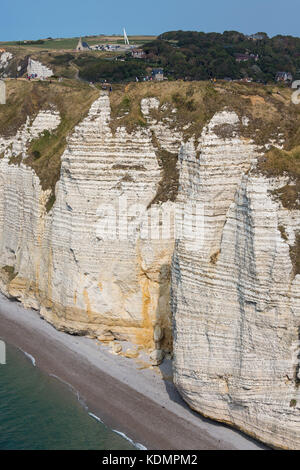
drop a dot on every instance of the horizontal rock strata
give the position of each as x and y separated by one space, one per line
236 299
98 261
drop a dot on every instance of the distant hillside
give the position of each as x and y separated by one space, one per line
200 56
186 55
109 64
71 43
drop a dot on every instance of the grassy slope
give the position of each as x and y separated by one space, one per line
71 43
197 102
52 50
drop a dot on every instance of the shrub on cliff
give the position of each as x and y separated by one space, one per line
94 69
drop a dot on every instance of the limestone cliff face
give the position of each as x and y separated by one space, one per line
80 281
235 297
235 292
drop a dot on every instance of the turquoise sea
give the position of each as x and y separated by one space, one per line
39 412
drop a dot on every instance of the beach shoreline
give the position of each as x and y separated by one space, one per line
136 403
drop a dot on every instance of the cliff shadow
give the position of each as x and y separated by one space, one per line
164 318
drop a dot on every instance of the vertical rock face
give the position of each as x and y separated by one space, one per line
235 297
83 276
91 266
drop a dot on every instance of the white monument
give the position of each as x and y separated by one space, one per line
126 38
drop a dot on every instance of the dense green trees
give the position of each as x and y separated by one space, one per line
198 55
97 70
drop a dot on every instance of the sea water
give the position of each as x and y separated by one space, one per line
39 412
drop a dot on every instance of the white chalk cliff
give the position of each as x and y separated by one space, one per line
37 68
234 297
236 301
80 281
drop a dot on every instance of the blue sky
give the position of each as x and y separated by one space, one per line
34 19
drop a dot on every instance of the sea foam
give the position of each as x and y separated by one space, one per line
29 357
135 444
